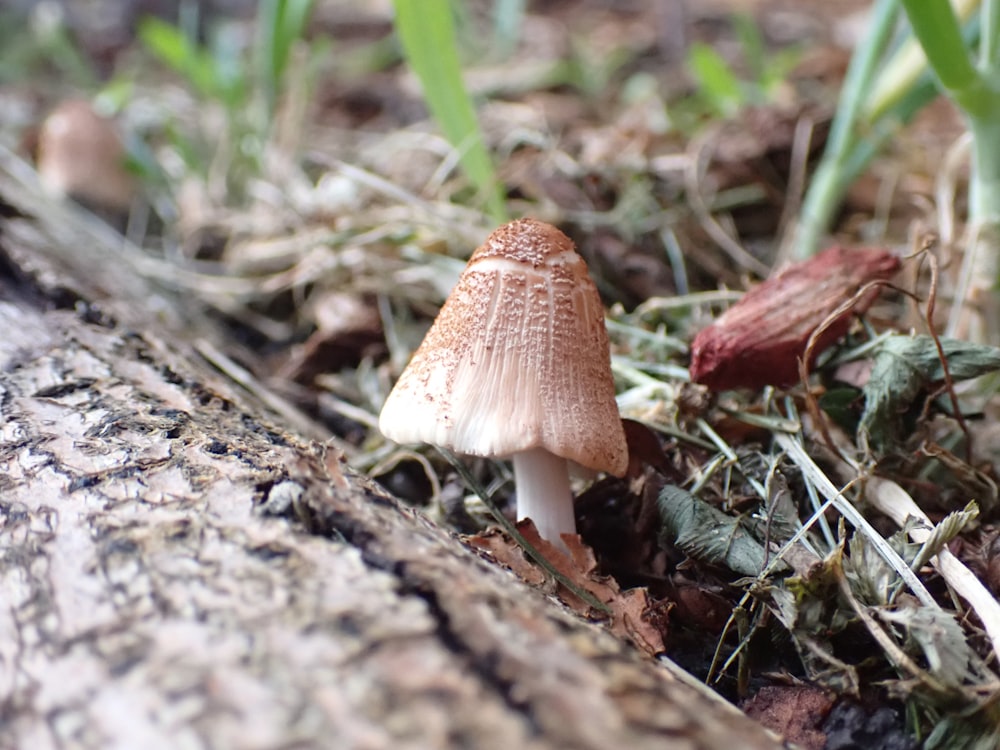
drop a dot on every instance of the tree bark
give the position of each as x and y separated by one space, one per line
180 570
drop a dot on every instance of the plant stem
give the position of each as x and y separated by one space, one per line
936 27
979 320
543 493
984 191
908 65
831 178
426 30
989 39
977 93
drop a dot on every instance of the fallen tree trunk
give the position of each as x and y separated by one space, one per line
179 570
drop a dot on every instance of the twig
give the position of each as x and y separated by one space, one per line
797 173
946 187
949 384
812 405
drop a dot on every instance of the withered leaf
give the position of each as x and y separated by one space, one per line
707 534
634 615
903 367
809 605
938 635
760 339
872 579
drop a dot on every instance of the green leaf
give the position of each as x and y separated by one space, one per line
716 80
216 73
871 577
280 24
936 26
902 368
426 30
292 19
176 50
707 534
227 68
843 406
939 636
974 729
752 44
945 530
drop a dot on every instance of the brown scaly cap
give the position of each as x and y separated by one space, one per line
518 358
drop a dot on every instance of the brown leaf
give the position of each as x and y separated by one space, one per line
761 338
507 552
793 711
633 615
992 557
700 607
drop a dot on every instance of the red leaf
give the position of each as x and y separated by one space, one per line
760 339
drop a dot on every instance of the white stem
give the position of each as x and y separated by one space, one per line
543 493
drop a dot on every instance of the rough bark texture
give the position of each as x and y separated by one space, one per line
179 571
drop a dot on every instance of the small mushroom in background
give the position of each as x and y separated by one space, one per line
517 364
80 155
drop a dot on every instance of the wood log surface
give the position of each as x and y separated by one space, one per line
180 568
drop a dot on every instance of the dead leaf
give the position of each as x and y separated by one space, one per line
991 554
793 711
707 534
505 551
903 367
938 635
644 448
760 339
634 616
698 606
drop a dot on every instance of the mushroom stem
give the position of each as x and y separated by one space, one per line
543 494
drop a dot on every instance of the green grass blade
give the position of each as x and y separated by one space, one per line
989 43
280 24
901 70
716 80
426 31
176 50
827 187
935 25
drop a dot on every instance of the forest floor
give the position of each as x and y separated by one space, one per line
327 238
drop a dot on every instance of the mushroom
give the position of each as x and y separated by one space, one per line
517 365
81 155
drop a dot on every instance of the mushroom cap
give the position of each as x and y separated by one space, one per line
518 358
80 154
